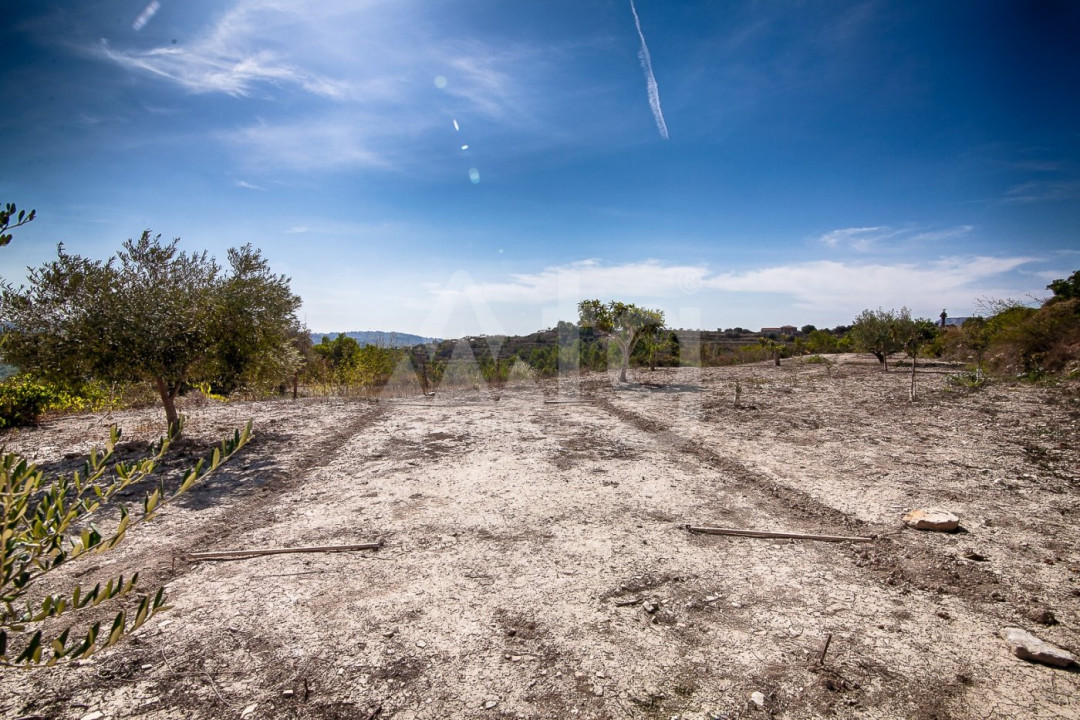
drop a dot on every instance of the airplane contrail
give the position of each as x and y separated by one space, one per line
650 79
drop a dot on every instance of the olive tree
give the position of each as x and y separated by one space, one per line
624 323
10 218
914 334
875 332
152 313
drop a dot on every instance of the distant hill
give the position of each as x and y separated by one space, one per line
381 338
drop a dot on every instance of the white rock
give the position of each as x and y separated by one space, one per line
932 519
96 715
758 699
1028 647
490 704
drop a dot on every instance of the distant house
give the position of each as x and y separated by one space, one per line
782 330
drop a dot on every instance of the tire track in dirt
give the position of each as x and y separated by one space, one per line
911 563
260 502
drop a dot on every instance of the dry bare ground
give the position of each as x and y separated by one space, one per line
536 563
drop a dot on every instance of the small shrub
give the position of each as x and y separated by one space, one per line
520 373
966 379
818 360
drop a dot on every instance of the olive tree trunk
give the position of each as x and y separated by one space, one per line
168 399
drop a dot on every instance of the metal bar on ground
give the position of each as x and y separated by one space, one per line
232 554
781 535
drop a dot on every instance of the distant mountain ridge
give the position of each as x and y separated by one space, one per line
381 338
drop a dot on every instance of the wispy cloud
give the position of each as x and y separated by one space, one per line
650 78
865 239
939 235
203 68
1043 191
858 238
364 72
249 186
309 144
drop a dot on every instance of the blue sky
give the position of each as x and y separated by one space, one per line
479 166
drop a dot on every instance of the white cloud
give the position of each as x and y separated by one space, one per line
829 286
249 186
823 287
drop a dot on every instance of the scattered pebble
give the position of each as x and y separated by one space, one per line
421 644
649 606
288 694
757 699
249 710
490 704
96 715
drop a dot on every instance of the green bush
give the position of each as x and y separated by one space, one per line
24 399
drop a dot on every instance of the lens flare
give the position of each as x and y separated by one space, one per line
440 81
146 15
474 176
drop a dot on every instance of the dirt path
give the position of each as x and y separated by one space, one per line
535 562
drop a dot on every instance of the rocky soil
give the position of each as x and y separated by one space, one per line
536 562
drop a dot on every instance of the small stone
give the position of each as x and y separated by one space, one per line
1028 647
598 691
147 666
421 644
288 694
389 634
1043 616
932 519
758 700
490 704
96 715
649 606
248 711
